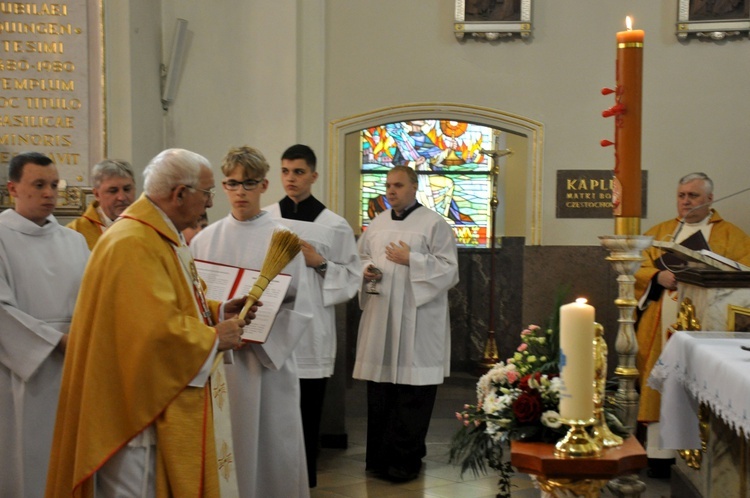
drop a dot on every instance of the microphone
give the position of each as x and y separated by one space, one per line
681 223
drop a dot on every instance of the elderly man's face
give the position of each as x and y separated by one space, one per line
689 196
196 200
115 193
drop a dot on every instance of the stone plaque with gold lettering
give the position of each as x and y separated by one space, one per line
52 81
587 193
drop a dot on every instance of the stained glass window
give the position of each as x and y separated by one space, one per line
451 164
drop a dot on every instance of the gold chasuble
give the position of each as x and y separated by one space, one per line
136 341
89 225
727 240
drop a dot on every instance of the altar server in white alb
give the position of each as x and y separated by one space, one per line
41 265
334 269
262 382
403 348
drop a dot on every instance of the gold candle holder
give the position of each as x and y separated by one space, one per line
577 443
601 431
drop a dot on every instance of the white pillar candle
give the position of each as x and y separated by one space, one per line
577 360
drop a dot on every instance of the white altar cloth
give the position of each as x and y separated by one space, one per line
705 367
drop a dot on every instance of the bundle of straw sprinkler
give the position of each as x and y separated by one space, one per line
284 246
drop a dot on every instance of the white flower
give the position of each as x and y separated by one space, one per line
504 423
491 428
505 401
492 404
551 419
555 384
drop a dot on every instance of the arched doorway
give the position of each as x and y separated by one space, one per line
521 179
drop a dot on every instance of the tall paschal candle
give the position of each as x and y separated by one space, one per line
627 194
577 360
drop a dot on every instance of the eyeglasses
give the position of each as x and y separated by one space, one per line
208 193
247 184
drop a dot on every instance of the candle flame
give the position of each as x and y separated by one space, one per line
582 300
629 23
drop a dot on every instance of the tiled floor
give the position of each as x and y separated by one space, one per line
341 473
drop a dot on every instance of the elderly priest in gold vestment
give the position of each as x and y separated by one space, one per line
135 416
697 224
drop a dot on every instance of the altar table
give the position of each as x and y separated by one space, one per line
708 369
702 367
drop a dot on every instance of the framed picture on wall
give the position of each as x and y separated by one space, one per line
738 319
714 19
493 19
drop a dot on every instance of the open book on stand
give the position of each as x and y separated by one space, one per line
701 258
229 282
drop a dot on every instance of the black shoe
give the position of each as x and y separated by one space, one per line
377 470
660 468
396 474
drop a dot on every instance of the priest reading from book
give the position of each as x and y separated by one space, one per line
138 414
262 382
698 226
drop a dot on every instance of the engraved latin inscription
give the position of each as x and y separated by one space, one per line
44 84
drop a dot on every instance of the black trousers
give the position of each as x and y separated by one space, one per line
398 417
312 392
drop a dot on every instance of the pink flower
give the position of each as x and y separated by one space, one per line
512 376
459 417
525 333
522 347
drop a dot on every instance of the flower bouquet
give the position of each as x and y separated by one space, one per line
516 400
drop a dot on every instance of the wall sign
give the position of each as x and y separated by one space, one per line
587 193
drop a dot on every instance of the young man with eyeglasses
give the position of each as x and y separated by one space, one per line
333 265
262 381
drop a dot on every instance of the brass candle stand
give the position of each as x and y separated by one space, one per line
490 355
600 430
625 256
577 443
